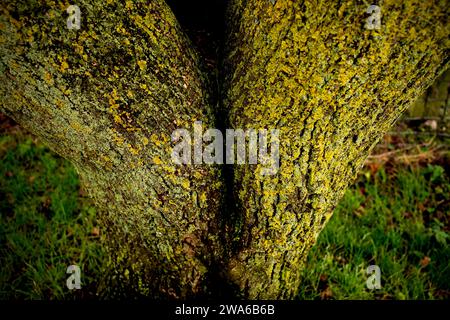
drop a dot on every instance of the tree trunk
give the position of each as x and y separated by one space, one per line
108 97
332 88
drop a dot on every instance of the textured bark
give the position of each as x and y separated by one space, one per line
108 96
332 87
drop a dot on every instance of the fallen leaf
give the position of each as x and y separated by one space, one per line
326 294
95 232
425 261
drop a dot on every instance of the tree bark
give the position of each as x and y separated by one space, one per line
332 87
108 96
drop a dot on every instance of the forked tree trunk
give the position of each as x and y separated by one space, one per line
108 97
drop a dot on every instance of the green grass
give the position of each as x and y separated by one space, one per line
45 224
396 218
398 222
